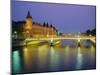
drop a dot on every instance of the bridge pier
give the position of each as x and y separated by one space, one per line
26 43
80 43
51 42
93 43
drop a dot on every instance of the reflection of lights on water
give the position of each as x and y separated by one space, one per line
44 47
25 50
91 54
52 50
79 59
67 48
26 55
54 59
92 48
42 56
16 61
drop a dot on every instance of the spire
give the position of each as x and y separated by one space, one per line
28 15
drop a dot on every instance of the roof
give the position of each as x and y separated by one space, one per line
28 15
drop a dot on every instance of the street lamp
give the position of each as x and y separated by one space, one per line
15 34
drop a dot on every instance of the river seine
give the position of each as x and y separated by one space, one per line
61 57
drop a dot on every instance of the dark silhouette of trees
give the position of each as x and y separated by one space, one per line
88 32
18 27
92 32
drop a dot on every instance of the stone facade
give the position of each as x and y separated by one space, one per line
33 29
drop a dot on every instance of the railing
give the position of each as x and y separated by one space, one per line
62 38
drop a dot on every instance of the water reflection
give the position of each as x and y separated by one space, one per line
44 58
30 58
54 59
79 59
16 61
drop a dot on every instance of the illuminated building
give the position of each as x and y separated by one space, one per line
33 29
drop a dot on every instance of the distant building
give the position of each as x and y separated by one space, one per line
33 29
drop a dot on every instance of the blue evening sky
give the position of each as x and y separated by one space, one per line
67 18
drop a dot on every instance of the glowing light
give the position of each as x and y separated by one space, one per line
51 40
25 49
27 31
16 61
79 40
67 48
90 35
15 32
54 58
79 59
42 56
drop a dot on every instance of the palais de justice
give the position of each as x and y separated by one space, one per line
33 29
29 28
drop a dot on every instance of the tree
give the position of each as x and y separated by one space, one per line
93 32
88 32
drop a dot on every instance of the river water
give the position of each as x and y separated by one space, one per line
46 58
